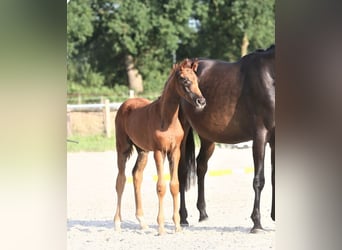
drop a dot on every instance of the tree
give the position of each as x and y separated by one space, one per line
134 39
229 28
134 43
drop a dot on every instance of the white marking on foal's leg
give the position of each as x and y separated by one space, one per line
117 225
142 222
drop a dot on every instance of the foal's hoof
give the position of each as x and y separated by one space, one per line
144 227
117 226
161 231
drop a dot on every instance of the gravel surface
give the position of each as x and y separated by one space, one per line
229 196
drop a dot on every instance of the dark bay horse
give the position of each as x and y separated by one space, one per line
240 107
154 126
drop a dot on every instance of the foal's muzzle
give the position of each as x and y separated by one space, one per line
200 102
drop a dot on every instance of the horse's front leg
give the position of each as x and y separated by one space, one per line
174 185
259 143
159 157
137 179
207 149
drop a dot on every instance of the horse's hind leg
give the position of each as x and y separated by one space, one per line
123 152
161 188
272 145
259 176
137 179
207 149
174 186
186 170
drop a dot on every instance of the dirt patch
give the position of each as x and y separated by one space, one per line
92 204
89 123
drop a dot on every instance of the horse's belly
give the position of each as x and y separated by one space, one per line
223 130
230 137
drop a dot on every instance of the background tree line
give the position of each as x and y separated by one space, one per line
114 45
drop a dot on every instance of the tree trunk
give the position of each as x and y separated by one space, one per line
134 78
244 45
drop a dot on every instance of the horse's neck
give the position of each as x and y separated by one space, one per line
169 104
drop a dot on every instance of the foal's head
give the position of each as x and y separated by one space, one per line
187 84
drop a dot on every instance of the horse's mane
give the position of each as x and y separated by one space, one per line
271 47
258 51
264 50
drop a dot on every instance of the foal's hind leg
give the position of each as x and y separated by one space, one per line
207 149
120 185
124 149
161 188
137 179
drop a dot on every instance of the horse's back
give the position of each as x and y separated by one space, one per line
236 92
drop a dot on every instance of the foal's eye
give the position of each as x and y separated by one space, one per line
186 82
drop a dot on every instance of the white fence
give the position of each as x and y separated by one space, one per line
105 107
93 107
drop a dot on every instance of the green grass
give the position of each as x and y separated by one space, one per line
98 143
91 143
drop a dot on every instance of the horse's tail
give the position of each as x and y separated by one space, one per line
190 161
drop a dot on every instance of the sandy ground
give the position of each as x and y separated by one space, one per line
229 196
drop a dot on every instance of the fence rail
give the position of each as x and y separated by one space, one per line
105 108
93 107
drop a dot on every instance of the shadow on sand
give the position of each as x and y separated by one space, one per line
86 225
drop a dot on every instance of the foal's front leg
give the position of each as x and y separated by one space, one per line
159 157
174 185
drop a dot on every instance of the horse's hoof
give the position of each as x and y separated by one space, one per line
178 229
184 223
203 218
257 230
273 216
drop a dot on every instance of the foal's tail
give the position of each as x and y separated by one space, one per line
190 162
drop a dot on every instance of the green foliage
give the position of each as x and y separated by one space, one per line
223 24
102 33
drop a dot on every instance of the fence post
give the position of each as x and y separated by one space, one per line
79 99
131 93
69 130
106 114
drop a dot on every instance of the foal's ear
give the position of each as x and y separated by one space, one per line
186 63
194 65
